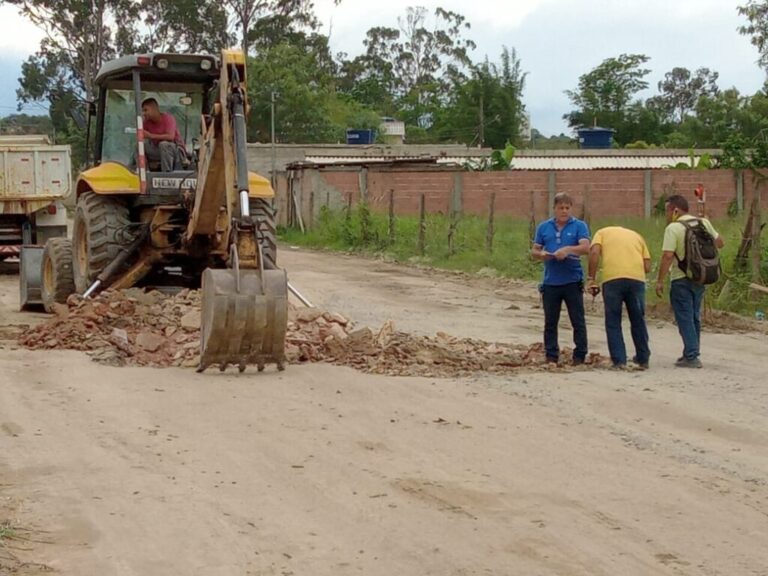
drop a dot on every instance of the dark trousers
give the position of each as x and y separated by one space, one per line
165 152
553 298
686 298
630 293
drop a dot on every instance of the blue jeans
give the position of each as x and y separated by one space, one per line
686 298
553 298
616 294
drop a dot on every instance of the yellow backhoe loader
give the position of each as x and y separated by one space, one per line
207 222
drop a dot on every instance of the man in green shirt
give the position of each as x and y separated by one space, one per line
685 295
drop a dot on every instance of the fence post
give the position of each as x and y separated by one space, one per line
552 189
391 229
587 207
489 234
756 229
311 219
362 181
648 193
532 221
422 225
452 223
346 229
740 190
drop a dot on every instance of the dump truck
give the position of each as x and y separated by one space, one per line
207 222
35 179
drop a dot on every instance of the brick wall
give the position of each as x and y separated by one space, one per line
606 192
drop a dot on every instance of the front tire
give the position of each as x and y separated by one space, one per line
98 222
264 215
58 280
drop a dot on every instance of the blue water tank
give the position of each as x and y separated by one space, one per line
595 137
360 136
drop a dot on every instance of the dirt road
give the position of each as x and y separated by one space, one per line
322 470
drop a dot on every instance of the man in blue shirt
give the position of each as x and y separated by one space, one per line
560 242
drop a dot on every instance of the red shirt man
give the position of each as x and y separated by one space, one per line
163 142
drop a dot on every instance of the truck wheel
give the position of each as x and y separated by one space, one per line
58 280
262 212
96 235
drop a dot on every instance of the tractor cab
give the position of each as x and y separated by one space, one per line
184 85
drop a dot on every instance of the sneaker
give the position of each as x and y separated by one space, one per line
577 362
640 365
688 363
619 367
551 360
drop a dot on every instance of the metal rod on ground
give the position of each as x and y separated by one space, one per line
298 295
117 263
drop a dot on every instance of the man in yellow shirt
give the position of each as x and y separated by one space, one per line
685 295
625 261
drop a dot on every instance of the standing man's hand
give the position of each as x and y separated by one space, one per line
660 288
561 254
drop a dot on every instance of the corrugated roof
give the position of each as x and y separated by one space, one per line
523 162
595 162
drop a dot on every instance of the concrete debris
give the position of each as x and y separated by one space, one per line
139 328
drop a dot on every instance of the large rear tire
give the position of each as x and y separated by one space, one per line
264 215
58 280
98 223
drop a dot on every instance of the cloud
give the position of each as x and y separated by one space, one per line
559 40
17 35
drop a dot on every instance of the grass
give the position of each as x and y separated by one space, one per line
367 233
7 532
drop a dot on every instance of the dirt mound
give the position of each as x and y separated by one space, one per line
133 327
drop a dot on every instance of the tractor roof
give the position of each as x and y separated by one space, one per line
161 67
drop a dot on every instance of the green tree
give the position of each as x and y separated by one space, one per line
183 26
304 96
604 94
756 13
274 20
487 107
680 90
408 69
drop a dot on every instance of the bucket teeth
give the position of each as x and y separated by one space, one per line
243 322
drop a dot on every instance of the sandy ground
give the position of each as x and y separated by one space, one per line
322 470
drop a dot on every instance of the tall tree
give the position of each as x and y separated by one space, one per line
79 36
253 18
756 12
413 63
604 93
302 109
487 108
680 90
184 26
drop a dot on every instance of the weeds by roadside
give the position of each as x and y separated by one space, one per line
366 232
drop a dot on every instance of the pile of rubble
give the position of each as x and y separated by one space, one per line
129 327
133 327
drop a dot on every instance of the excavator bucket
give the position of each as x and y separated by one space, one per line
244 318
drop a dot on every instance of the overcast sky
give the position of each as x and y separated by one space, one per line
556 40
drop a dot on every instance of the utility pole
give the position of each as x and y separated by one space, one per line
273 178
482 123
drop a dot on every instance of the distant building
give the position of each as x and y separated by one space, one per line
393 131
525 127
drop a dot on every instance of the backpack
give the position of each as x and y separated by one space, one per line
702 261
